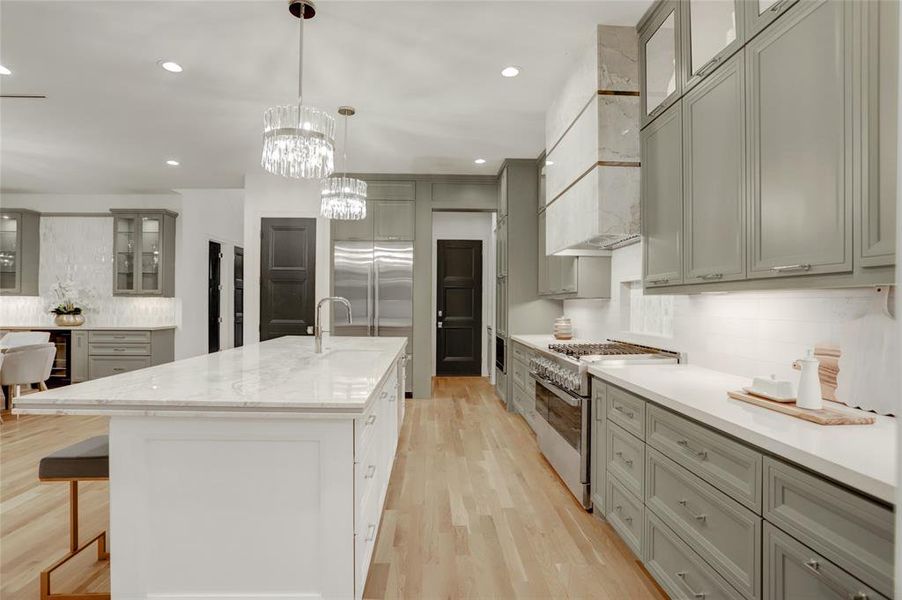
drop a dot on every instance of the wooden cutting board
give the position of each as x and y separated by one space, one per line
824 416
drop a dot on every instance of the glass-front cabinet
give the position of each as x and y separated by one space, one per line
144 253
19 252
712 31
761 13
660 78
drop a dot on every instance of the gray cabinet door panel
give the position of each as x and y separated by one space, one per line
79 356
598 444
877 229
714 195
793 571
712 31
724 533
393 220
626 459
848 530
662 199
682 573
800 123
627 410
359 230
626 514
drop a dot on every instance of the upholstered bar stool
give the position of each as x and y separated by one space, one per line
88 460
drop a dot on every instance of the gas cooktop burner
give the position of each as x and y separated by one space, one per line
600 349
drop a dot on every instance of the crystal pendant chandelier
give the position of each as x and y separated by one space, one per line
298 140
344 197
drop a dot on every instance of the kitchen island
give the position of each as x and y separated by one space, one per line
257 472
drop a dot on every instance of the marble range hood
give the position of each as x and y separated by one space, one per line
592 162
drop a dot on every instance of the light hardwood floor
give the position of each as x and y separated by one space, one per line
473 511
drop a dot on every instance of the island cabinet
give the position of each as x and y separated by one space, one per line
713 517
144 253
20 251
662 199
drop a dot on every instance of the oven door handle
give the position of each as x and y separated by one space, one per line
570 399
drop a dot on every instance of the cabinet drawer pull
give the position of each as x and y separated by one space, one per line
370 533
682 576
118 349
712 276
628 462
814 565
628 519
658 109
118 368
708 66
698 517
790 268
702 454
370 472
778 6
658 281
371 419
629 414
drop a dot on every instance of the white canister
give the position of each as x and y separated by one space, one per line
563 328
809 395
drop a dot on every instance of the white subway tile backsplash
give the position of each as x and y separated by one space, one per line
77 251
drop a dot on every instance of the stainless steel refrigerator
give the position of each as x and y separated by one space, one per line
377 279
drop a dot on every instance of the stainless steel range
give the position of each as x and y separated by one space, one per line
563 393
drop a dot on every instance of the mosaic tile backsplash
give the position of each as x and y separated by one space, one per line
77 254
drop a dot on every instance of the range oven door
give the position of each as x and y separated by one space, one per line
563 435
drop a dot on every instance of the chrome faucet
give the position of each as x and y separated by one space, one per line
318 326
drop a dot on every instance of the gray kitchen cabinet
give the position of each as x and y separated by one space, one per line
144 253
502 195
542 260
572 277
501 306
79 357
714 193
712 31
662 199
356 230
111 352
20 252
501 247
393 220
660 62
792 571
598 443
761 13
877 219
626 514
800 122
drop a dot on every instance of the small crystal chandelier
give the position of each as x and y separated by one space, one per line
343 197
298 140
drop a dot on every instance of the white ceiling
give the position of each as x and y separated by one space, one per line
424 77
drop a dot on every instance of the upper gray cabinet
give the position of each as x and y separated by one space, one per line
714 187
761 13
662 199
144 253
20 249
659 60
713 30
877 218
359 229
394 220
502 195
800 117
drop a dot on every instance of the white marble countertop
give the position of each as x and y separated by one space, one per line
862 457
87 327
282 376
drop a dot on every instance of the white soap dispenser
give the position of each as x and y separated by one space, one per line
809 395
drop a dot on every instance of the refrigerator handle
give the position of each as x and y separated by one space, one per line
376 292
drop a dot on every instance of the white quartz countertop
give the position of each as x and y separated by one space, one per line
87 327
862 457
281 376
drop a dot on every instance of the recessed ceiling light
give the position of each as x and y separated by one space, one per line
5 71
172 67
479 161
172 163
549 163
510 71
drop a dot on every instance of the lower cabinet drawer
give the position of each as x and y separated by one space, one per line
365 530
627 410
521 374
526 406
104 366
846 529
119 337
682 573
368 472
109 349
792 571
625 514
722 531
626 458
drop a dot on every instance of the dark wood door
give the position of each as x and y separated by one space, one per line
239 297
287 277
459 304
214 287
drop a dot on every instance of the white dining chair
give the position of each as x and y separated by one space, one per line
24 338
25 365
